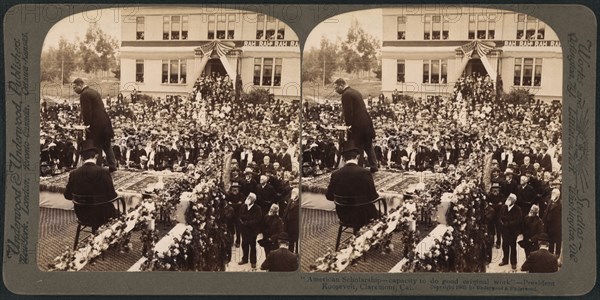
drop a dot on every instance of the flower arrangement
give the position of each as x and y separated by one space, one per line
169 197
205 245
462 247
115 231
377 233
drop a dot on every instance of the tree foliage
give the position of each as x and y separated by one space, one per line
359 50
315 60
98 50
56 61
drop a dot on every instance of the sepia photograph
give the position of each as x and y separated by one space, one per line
169 141
432 142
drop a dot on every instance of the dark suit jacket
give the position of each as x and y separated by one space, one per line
248 186
280 260
94 114
532 227
265 196
87 180
356 182
291 217
251 219
526 196
553 221
356 115
511 220
540 261
546 163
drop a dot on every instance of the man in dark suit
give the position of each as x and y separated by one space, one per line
352 184
291 218
92 180
526 194
250 218
94 115
360 126
552 219
541 261
545 160
282 259
265 194
235 199
495 200
510 220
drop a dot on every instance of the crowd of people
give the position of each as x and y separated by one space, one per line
176 133
258 143
428 133
520 144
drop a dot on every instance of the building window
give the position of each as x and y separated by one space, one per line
175 27
436 28
139 28
528 72
482 27
267 71
221 27
139 71
400 71
435 71
402 27
174 71
269 28
184 27
530 28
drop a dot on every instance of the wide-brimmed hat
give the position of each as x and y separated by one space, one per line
88 145
495 185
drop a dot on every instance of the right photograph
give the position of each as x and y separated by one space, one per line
431 142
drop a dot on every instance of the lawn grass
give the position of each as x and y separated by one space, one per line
312 91
104 85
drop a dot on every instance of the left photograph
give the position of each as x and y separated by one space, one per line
169 141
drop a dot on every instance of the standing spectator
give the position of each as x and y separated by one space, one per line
553 223
291 220
495 199
250 218
272 227
526 195
532 228
235 199
510 220
265 193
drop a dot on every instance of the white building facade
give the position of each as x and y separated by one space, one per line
427 48
165 50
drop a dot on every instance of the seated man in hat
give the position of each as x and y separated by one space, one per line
92 180
282 259
541 261
355 185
